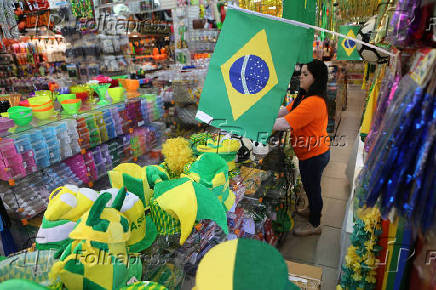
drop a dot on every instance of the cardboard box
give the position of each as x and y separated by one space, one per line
306 277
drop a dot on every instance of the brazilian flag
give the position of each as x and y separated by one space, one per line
249 74
302 11
347 48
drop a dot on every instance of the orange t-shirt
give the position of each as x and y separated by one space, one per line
308 122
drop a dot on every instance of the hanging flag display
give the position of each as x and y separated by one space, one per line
303 11
347 48
249 74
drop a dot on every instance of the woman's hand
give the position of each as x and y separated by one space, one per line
281 125
283 112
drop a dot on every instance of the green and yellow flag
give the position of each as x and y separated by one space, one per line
303 11
249 74
347 48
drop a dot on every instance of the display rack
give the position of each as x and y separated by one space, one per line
75 149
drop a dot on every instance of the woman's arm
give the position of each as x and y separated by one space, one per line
283 112
281 124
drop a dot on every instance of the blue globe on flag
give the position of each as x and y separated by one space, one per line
349 43
249 74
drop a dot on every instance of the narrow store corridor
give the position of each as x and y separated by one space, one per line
324 250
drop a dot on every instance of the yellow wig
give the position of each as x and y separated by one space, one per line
177 153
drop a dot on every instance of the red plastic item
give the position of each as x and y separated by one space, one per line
82 96
24 103
114 83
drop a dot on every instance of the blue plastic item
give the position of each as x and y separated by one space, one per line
36 136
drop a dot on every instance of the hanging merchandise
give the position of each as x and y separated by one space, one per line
366 34
245 85
401 154
359 269
371 104
388 86
398 246
323 21
413 24
347 48
356 10
83 8
8 24
271 7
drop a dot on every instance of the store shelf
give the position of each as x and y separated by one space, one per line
145 35
37 219
58 117
110 5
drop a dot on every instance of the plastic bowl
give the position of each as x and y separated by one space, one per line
44 93
43 114
21 115
63 97
71 106
129 85
39 102
117 94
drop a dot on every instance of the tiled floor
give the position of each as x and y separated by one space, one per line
324 250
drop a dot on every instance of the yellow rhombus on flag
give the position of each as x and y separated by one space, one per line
249 74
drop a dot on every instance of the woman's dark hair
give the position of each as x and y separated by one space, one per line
319 87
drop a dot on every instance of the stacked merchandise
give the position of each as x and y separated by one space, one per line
91 53
261 210
192 202
31 57
79 169
48 156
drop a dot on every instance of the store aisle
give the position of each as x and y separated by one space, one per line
324 250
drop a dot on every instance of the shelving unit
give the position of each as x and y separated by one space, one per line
115 137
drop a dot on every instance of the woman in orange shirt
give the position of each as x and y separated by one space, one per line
307 117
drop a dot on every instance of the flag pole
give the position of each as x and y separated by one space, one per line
307 26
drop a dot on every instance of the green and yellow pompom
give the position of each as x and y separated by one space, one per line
177 153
